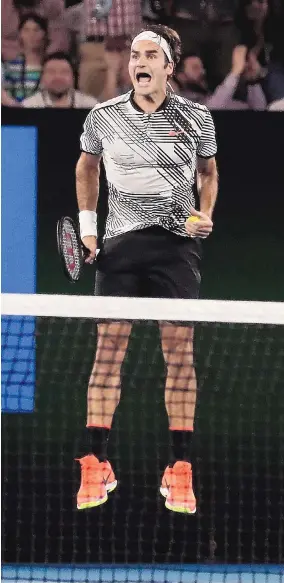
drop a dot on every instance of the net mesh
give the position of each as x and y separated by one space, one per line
237 453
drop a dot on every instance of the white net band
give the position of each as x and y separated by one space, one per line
119 308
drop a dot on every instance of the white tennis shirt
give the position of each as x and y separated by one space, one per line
150 159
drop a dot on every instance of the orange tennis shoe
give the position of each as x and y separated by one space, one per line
177 488
97 480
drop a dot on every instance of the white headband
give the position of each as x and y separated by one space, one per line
155 38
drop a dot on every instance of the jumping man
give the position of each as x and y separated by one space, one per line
153 143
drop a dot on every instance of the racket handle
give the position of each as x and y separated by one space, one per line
86 251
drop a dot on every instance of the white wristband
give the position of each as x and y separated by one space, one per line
88 224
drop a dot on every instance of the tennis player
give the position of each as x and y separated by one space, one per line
152 143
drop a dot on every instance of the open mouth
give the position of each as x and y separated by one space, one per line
143 78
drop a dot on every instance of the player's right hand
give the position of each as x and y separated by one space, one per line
90 243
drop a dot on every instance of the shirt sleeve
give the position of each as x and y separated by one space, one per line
207 146
90 141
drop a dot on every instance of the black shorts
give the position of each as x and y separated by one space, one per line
152 263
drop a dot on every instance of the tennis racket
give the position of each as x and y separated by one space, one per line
71 250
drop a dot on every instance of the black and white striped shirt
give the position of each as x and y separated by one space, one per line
150 159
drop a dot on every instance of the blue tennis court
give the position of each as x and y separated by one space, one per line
143 574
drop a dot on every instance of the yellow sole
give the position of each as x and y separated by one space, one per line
181 509
92 504
97 502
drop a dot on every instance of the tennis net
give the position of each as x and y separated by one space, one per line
48 347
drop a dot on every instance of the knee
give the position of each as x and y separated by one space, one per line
177 340
113 337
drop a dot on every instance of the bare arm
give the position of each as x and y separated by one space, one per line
87 181
87 188
224 93
208 184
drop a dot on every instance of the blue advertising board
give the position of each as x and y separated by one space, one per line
18 238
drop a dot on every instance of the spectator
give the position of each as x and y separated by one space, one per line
154 11
261 26
6 100
57 86
207 28
274 82
12 13
22 75
190 78
117 76
239 90
110 31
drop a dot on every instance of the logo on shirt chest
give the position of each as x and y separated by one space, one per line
173 133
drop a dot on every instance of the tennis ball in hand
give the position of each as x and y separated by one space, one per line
192 219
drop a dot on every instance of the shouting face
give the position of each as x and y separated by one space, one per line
148 68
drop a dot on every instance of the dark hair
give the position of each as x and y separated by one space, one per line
39 20
172 38
189 55
59 56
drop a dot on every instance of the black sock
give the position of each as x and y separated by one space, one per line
180 444
96 439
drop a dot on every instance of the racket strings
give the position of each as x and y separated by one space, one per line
72 253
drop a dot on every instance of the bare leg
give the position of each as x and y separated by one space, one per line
104 384
97 476
180 398
180 391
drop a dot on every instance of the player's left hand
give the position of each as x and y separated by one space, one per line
202 225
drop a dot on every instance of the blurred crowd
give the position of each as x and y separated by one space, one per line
57 54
